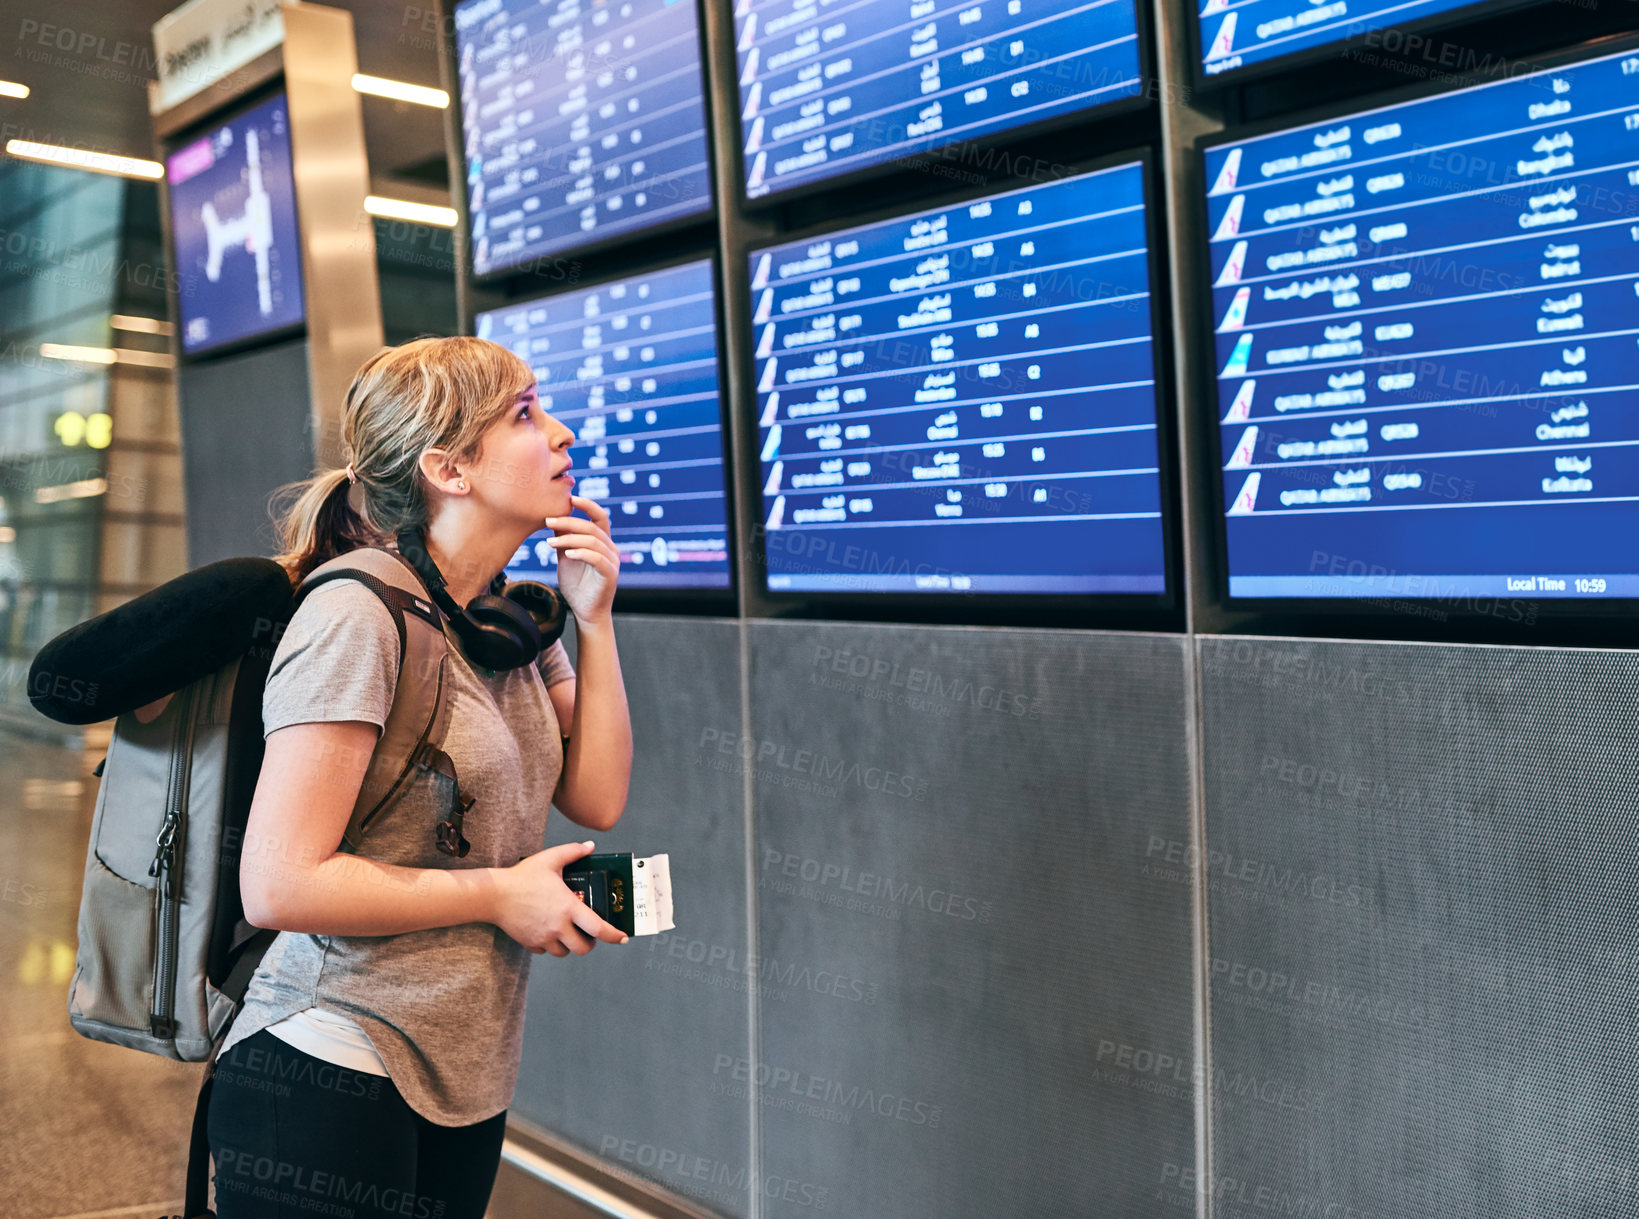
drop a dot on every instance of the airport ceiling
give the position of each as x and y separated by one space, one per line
87 64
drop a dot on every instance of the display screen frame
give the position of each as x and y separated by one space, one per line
908 163
220 117
1292 61
594 245
1158 611
667 600
1487 618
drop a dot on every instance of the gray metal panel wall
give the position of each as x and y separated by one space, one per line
620 1045
245 430
963 950
1422 864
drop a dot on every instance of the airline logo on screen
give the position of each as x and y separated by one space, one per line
1239 33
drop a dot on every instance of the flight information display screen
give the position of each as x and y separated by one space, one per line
963 399
1239 33
233 220
631 367
581 121
829 87
1426 344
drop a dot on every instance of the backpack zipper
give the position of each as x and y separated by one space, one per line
167 866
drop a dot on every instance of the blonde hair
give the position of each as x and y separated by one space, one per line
428 393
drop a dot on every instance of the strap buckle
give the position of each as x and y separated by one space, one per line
448 833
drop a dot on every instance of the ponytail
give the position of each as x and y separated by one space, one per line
319 525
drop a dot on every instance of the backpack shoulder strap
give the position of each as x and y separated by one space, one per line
420 712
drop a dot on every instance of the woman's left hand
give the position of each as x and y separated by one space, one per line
588 561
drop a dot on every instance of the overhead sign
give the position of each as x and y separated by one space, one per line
204 40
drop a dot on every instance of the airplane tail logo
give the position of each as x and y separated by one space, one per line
759 168
1241 409
1238 359
759 277
771 412
1214 7
1223 45
772 486
1247 501
777 517
753 101
1236 317
750 73
765 307
767 383
1228 174
756 140
1230 225
748 32
765 347
1241 458
1231 273
771 446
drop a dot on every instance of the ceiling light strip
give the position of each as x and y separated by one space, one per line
403 209
400 91
83 158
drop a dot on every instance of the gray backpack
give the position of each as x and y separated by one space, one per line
165 953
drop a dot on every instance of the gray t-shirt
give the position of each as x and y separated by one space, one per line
444 1008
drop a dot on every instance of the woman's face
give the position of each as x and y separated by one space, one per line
523 465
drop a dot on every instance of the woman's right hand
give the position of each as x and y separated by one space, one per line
542 913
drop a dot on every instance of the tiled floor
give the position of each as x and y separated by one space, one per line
87 1130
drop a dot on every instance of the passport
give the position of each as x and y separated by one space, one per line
631 893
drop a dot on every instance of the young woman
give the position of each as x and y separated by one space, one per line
370 1069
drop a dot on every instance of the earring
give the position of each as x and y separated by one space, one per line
462 484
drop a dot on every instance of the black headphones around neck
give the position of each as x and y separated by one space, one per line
506 628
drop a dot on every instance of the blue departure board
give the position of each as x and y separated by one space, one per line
1239 33
1428 344
963 399
631 367
828 87
581 121
233 220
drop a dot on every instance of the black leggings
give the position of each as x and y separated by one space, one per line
295 1137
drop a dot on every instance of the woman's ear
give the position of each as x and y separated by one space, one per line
436 467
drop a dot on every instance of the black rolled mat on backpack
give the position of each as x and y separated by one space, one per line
155 644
